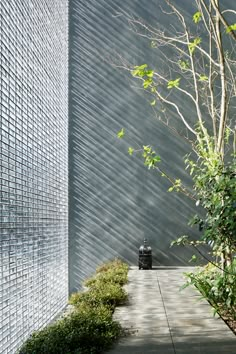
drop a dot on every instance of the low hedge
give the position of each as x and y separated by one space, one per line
110 276
116 265
89 328
110 294
87 331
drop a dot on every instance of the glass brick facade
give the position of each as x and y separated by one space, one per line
33 166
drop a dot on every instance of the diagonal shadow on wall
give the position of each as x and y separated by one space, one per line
115 201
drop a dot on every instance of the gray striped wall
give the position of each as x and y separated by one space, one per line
114 200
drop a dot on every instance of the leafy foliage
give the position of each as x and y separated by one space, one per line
147 83
150 157
197 17
173 83
203 78
106 293
89 329
231 28
215 187
192 45
176 186
218 287
142 71
184 64
113 276
116 265
105 287
130 151
121 133
153 103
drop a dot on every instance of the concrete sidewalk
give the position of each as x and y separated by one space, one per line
162 319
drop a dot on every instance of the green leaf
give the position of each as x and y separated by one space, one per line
141 67
142 72
183 240
150 157
139 70
153 44
149 73
153 103
151 162
231 28
203 78
147 148
193 258
121 133
197 41
147 83
173 83
197 17
192 45
156 159
184 64
178 182
130 151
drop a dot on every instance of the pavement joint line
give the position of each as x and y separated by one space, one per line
172 340
159 326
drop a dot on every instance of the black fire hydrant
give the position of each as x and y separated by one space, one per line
145 256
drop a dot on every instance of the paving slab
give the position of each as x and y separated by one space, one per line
161 319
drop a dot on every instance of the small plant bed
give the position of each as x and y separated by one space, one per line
218 287
89 328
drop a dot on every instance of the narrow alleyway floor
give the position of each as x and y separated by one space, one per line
162 319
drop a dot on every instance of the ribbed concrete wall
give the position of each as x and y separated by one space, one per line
114 200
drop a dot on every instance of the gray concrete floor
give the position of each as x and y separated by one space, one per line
162 319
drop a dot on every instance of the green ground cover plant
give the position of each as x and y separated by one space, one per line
105 293
218 287
89 328
116 265
112 272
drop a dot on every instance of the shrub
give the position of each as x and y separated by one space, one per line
116 264
112 275
89 329
217 286
105 293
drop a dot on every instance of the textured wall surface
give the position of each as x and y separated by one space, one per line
33 151
114 200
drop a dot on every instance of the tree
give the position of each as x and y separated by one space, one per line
199 65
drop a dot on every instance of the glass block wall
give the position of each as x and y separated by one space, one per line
33 166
